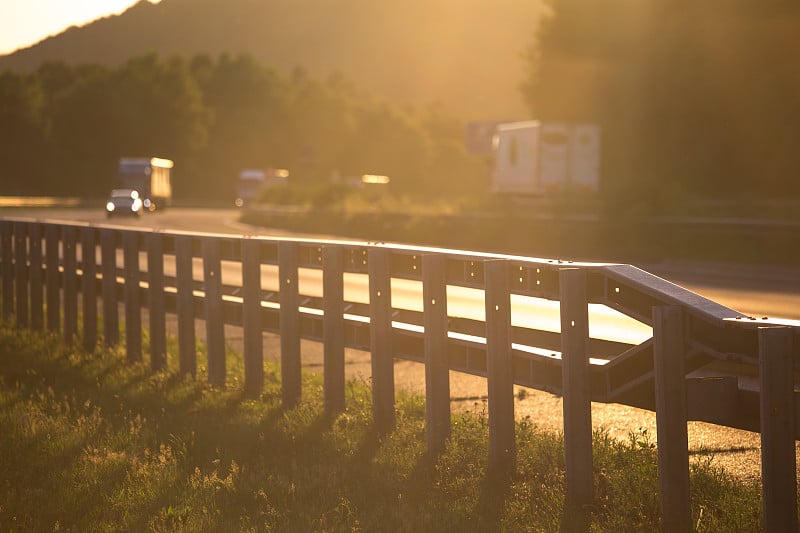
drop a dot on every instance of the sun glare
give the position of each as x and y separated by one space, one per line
26 22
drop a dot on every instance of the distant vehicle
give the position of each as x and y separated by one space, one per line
124 202
252 181
150 177
372 185
537 158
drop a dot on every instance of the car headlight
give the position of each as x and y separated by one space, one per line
110 206
137 204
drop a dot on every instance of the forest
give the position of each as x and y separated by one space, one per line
63 129
698 101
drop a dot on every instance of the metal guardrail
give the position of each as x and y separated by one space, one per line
46 265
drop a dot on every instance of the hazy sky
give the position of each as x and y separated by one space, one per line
25 22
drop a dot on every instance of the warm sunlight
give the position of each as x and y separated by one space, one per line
26 22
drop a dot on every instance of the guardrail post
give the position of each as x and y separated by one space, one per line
215 327
671 413
133 314
156 306
52 278
778 460
7 237
576 388
69 249
333 327
37 283
500 379
380 334
89 288
251 318
184 271
289 324
21 272
437 368
108 255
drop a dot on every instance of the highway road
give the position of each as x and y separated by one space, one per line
756 290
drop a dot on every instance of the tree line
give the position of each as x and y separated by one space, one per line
63 128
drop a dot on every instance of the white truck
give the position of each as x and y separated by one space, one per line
150 177
538 158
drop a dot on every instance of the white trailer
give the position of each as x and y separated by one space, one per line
516 162
537 158
585 157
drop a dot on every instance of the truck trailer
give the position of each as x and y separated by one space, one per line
252 181
537 158
150 177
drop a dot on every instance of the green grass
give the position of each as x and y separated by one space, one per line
91 443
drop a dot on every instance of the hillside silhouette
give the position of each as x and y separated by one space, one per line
466 55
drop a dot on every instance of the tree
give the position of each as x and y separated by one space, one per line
65 127
147 107
702 96
21 134
249 104
450 170
160 112
321 125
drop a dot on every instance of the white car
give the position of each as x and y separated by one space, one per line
124 202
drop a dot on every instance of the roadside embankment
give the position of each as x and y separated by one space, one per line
575 237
